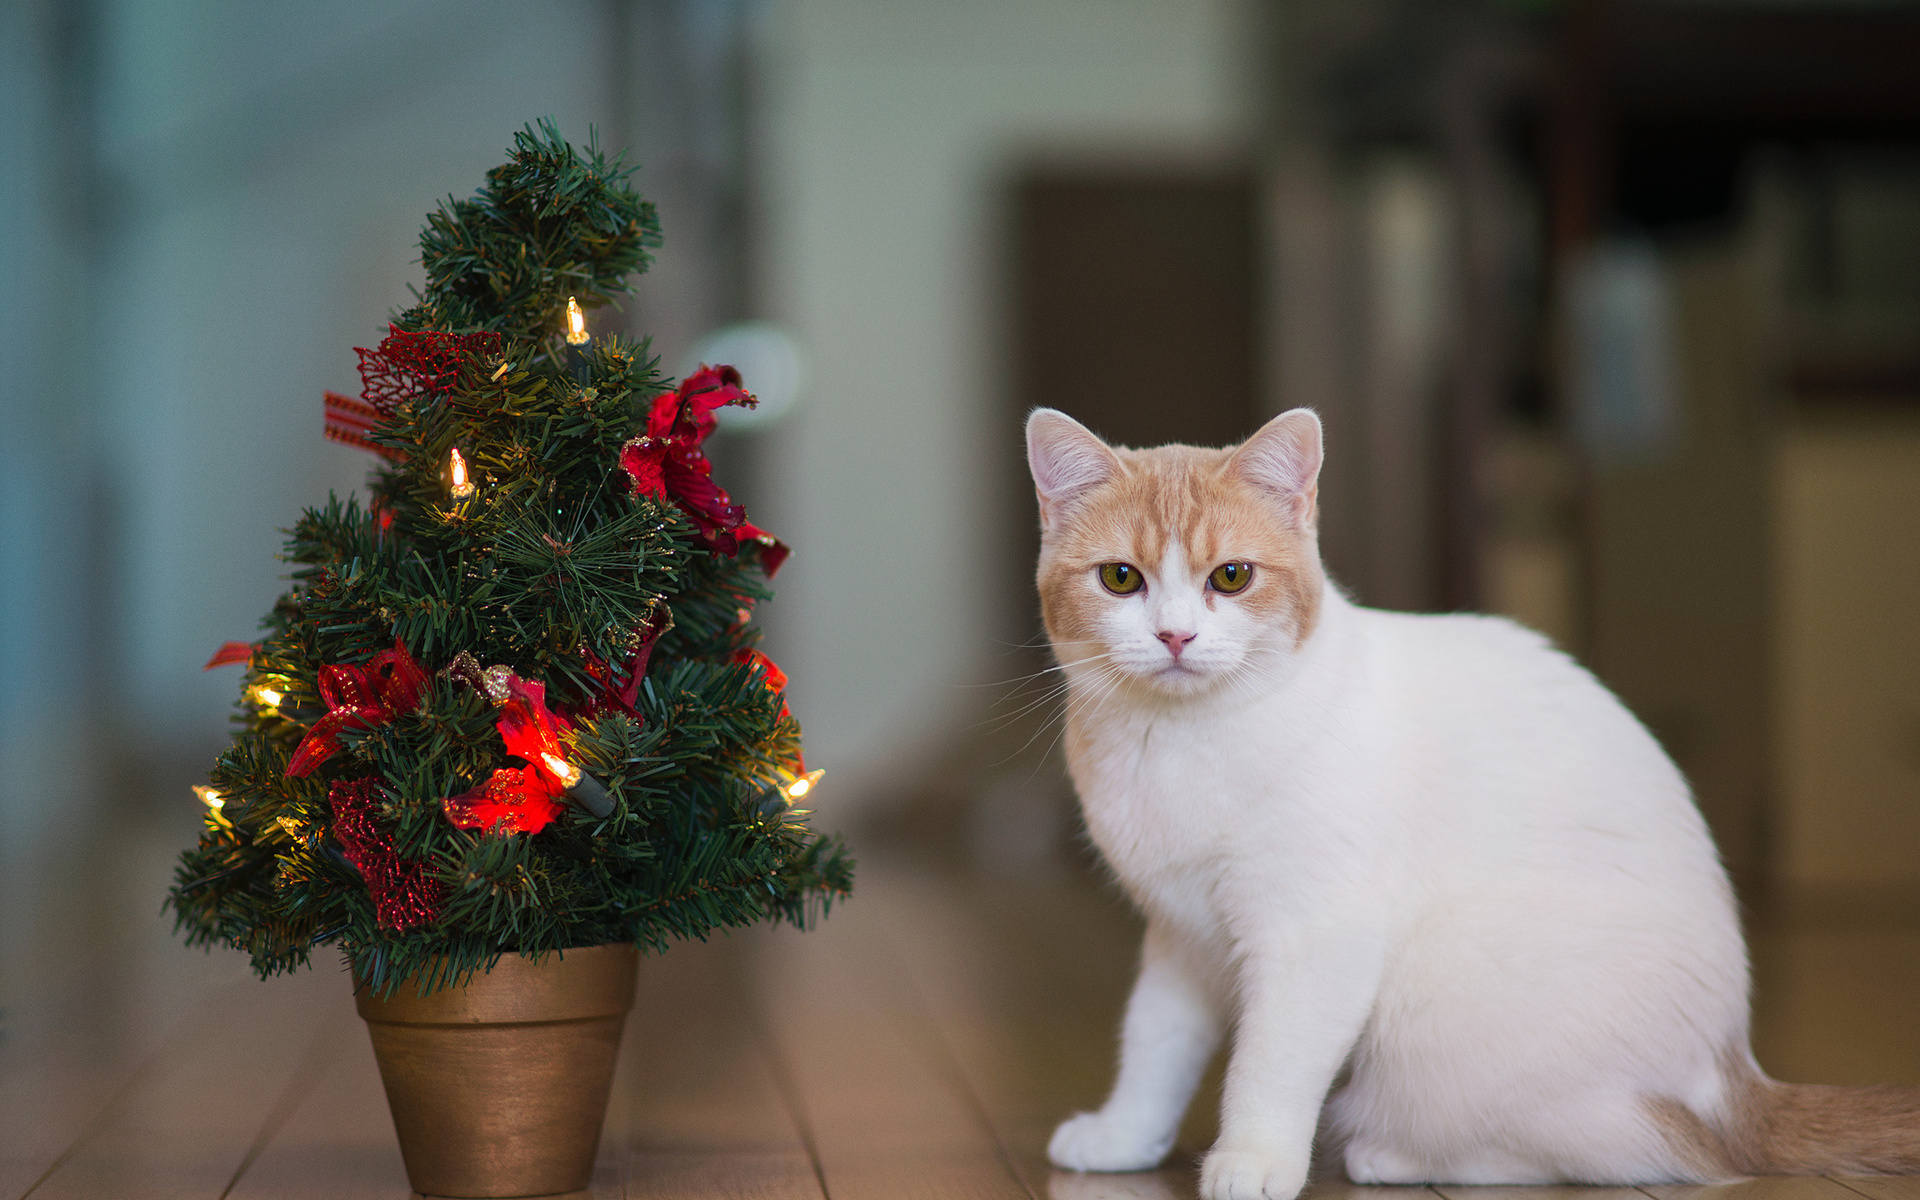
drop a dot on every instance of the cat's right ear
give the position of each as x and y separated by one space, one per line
1066 459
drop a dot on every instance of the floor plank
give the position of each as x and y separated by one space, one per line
887 1115
1882 1187
338 1141
699 1106
187 1125
1529 1193
923 1043
1783 1187
94 987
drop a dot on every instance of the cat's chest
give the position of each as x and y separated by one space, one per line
1168 805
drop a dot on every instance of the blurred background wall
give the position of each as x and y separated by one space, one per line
1612 311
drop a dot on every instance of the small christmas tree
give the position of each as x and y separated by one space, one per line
512 704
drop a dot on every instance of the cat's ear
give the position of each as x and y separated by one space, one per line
1284 458
1066 459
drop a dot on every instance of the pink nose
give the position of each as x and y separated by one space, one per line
1176 642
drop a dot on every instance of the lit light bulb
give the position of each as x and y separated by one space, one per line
457 468
209 797
268 697
804 784
582 788
576 323
566 772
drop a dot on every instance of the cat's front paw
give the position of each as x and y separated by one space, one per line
1097 1142
1251 1175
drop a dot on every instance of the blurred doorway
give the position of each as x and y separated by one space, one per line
1135 312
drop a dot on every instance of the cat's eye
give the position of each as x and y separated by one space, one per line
1231 577
1122 579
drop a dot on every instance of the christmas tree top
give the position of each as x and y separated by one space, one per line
513 704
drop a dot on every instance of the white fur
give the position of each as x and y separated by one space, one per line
1431 850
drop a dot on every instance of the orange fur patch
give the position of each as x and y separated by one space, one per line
1775 1128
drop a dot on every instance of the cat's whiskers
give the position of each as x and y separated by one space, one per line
1053 690
1107 679
1047 696
1065 712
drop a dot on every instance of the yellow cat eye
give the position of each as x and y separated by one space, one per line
1231 577
1122 579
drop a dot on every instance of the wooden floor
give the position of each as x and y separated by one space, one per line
922 1043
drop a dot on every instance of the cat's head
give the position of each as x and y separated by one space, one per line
1172 569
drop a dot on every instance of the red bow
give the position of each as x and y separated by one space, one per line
390 684
667 463
519 799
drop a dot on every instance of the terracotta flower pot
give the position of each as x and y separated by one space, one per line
499 1088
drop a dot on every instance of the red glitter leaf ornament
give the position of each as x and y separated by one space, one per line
405 366
405 893
361 697
412 366
667 463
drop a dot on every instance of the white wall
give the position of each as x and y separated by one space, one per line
275 164
892 127
268 169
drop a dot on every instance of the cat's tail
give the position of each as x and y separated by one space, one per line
1775 1128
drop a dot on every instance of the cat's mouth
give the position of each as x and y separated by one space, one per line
1180 675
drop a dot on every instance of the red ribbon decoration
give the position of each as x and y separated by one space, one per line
776 681
349 422
230 653
776 678
623 696
667 463
390 684
518 799
404 893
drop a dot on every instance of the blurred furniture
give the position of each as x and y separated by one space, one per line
1743 577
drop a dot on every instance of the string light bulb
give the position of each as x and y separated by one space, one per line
804 784
457 468
268 697
566 772
576 323
582 788
210 797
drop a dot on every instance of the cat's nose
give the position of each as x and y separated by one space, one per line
1176 642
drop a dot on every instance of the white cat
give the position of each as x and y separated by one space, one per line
1431 850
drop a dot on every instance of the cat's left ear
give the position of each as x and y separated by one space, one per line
1284 458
